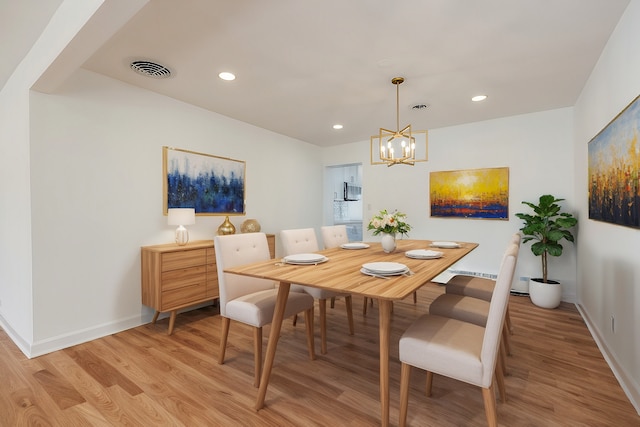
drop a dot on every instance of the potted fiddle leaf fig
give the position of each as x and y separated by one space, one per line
546 227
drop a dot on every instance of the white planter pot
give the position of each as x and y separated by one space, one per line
545 295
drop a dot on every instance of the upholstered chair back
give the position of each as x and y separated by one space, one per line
334 235
238 249
496 317
299 241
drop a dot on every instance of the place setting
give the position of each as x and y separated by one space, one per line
445 245
423 254
385 270
354 245
305 259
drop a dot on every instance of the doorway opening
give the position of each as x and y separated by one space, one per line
343 198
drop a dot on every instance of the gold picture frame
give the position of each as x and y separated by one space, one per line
213 185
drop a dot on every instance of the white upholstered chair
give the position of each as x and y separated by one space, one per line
334 235
303 240
475 308
457 349
251 300
456 303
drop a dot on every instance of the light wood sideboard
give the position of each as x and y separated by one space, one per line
176 277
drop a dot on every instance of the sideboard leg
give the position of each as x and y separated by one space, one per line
172 321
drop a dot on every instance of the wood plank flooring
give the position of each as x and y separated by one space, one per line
142 377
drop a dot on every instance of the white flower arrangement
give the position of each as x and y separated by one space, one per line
390 223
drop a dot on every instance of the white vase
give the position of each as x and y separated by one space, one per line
545 295
388 242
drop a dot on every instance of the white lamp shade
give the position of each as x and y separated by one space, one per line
181 216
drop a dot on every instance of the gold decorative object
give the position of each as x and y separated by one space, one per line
399 146
250 226
226 227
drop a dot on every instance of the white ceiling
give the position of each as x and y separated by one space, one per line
21 22
302 66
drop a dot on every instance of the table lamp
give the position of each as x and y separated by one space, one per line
181 217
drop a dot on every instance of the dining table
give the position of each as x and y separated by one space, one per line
341 270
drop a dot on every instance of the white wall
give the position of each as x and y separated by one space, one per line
521 143
96 161
16 291
609 271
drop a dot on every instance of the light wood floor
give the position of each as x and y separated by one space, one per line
142 377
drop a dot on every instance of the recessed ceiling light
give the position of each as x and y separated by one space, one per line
227 76
479 98
336 126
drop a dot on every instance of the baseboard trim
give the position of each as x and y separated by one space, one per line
17 339
78 337
626 382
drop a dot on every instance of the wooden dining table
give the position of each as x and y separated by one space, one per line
341 273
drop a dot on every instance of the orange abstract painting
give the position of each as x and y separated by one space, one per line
472 193
614 165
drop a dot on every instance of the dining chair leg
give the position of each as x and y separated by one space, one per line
500 382
323 325
295 319
415 297
364 307
429 383
405 375
508 321
308 320
348 301
257 355
333 302
224 334
489 398
505 338
502 357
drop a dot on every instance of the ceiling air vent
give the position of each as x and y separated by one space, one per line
420 106
151 69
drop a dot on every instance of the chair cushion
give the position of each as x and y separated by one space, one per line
467 309
444 346
256 309
471 286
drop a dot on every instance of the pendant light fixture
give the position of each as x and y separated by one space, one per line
399 146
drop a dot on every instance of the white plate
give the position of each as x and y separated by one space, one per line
385 267
447 245
383 275
354 245
423 254
305 259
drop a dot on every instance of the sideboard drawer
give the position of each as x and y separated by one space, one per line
183 296
176 279
185 259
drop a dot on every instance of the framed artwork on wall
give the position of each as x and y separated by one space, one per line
471 193
212 185
614 160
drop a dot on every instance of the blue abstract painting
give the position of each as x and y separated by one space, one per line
212 185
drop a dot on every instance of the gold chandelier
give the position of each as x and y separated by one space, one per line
399 146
